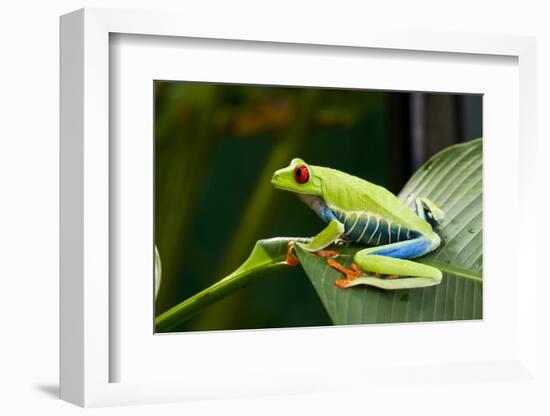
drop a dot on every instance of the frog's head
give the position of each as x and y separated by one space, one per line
297 177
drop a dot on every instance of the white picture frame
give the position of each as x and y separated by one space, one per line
87 302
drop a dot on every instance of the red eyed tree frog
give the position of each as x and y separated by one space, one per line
359 211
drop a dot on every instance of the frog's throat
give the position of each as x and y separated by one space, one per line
316 203
319 206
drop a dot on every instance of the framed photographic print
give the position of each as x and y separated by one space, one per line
251 214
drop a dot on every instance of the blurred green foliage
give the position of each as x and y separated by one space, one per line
216 147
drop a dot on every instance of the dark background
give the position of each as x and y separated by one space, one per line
216 147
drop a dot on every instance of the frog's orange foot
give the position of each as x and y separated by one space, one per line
342 283
327 253
356 268
352 273
291 258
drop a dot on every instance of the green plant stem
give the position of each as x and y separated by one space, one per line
189 307
266 255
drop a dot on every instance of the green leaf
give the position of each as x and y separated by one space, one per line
266 254
453 180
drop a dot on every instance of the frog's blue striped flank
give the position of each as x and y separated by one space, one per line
370 229
373 230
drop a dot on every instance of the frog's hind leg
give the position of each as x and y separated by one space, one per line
392 260
429 211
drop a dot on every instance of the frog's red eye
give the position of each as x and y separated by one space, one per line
301 174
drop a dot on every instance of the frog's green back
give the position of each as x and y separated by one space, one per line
350 193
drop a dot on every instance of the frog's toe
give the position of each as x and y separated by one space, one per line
327 253
342 283
291 258
352 273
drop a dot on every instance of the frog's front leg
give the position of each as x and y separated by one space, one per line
326 237
392 260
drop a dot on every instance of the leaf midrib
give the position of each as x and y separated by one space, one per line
457 271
